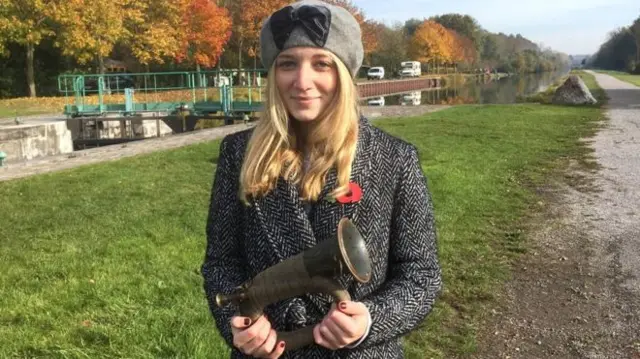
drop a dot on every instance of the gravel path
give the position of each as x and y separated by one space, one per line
618 151
578 294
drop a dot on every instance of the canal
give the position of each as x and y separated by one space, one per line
473 90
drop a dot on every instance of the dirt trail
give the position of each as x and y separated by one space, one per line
578 294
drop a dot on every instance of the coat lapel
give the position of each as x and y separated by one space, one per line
284 221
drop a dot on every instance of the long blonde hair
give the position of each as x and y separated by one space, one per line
271 151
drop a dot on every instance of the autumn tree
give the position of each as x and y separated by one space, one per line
251 19
431 43
91 28
208 28
27 23
154 29
463 50
464 25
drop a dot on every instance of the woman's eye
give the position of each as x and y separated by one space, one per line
286 64
323 64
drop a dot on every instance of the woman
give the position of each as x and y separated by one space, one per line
283 186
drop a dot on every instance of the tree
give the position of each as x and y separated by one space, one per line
463 50
251 19
616 51
392 49
154 29
208 28
634 29
411 25
490 54
27 23
431 43
464 25
91 28
371 31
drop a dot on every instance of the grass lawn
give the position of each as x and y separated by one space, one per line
624 76
103 261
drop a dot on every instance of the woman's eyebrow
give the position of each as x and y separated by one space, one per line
286 56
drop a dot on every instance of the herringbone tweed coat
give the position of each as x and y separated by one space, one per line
395 216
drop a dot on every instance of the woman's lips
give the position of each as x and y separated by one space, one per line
304 100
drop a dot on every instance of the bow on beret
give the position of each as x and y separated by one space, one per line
315 20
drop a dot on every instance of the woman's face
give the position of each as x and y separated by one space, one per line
307 80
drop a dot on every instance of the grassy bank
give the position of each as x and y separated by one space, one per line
624 76
103 261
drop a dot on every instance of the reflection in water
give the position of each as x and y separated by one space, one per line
473 91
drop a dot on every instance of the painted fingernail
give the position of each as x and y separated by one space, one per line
281 344
343 305
247 321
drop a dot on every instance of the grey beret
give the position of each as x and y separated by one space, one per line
313 23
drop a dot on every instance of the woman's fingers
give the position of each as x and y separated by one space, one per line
267 347
254 336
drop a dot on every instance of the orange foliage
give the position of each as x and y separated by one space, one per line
431 42
252 17
463 49
207 29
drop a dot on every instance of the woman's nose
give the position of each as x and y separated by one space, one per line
304 77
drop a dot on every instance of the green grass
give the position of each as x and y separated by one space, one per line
484 164
103 261
624 76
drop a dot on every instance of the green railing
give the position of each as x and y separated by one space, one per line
227 91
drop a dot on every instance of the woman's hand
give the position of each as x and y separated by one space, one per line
342 326
256 339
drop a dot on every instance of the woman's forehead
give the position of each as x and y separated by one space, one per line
301 52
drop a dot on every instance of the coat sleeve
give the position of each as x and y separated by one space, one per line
222 269
414 276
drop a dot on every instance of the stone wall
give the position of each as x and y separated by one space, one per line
27 141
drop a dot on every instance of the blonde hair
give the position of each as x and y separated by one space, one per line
271 151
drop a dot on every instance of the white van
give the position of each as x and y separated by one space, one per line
375 73
410 69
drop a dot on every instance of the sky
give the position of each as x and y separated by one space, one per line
575 27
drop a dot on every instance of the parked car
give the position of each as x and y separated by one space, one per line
375 73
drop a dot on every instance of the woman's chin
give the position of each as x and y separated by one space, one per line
305 115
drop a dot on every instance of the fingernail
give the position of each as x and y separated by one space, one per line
281 344
247 321
343 305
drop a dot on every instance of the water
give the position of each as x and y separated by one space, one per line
473 91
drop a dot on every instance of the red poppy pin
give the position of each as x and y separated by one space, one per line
353 196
